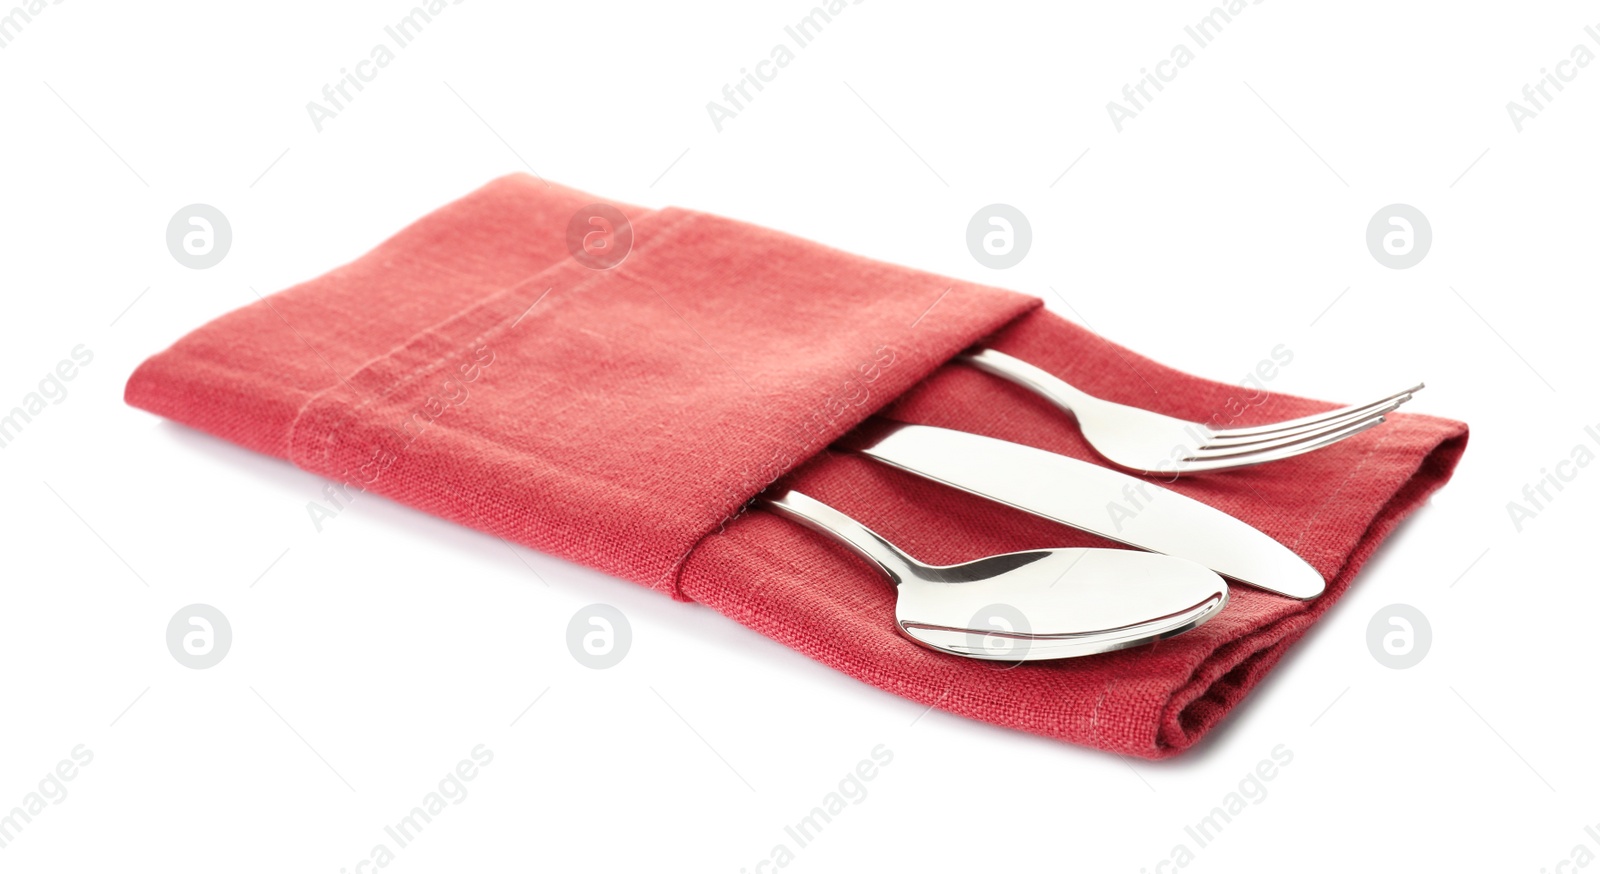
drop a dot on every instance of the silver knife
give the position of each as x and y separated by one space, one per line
1127 509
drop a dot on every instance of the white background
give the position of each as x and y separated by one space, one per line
1225 219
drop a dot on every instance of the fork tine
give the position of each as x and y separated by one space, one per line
1314 420
1213 452
1203 465
1274 438
1308 424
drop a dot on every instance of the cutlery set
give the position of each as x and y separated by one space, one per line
1063 603
626 451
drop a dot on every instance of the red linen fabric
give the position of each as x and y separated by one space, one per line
623 417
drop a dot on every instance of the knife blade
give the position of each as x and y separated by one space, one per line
1127 509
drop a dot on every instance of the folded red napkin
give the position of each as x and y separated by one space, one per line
624 416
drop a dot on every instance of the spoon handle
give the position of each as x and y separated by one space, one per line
862 540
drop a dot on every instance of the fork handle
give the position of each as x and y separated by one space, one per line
1020 372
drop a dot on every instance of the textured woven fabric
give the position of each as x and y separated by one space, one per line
623 417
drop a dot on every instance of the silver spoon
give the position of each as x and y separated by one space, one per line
1032 605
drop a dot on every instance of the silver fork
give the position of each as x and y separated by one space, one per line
1140 440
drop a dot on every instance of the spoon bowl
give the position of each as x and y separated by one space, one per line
1030 605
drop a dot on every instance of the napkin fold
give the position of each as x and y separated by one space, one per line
478 367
